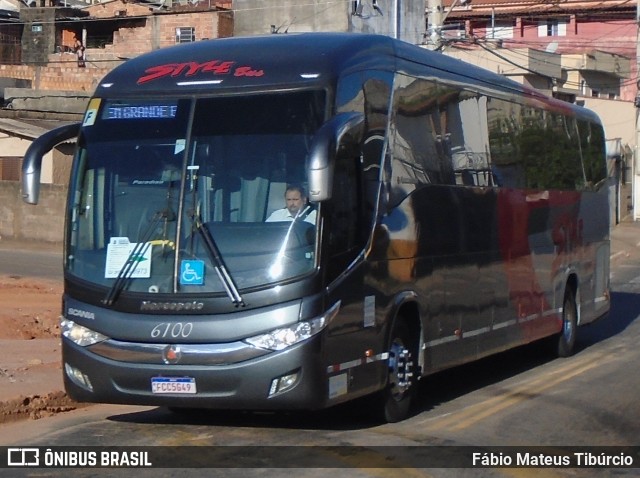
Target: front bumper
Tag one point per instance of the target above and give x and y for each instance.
(245, 385)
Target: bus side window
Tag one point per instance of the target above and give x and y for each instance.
(343, 216)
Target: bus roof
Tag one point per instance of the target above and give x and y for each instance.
(250, 62)
(294, 60)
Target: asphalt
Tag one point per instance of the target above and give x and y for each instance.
(625, 242)
(33, 367)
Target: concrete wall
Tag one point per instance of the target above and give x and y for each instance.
(46, 100)
(408, 23)
(17, 147)
(255, 17)
(43, 222)
(38, 36)
(618, 117)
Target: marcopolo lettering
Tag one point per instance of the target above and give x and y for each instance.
(171, 306)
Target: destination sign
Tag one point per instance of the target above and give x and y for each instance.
(139, 111)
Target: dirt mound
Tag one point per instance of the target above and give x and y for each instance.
(29, 308)
(35, 406)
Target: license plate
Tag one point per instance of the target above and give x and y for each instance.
(173, 385)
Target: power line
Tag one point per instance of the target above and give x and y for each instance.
(524, 56)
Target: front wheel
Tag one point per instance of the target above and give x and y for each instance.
(400, 391)
(567, 338)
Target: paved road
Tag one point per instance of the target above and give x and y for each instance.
(43, 262)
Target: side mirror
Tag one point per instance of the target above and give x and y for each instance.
(32, 161)
(341, 135)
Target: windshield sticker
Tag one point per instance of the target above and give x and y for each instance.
(92, 112)
(180, 145)
(192, 272)
(191, 68)
(118, 251)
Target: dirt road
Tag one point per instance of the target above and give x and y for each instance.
(30, 361)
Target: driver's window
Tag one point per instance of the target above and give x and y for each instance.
(343, 216)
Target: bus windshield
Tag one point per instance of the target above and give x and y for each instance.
(168, 194)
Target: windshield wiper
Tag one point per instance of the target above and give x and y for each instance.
(129, 266)
(218, 263)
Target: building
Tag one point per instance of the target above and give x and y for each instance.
(575, 50)
(597, 39)
(579, 51)
(403, 19)
(43, 44)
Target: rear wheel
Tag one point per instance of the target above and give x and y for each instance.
(400, 391)
(567, 338)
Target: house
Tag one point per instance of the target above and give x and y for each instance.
(597, 39)
(575, 50)
(40, 49)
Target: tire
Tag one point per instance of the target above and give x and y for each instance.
(397, 397)
(567, 338)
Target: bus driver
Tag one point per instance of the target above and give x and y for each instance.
(296, 206)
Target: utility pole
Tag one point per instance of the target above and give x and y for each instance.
(435, 21)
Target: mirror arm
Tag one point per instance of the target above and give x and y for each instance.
(343, 132)
(32, 161)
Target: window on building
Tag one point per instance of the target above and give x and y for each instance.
(185, 34)
(500, 29)
(595, 93)
(552, 27)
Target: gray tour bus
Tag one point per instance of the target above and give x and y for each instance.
(447, 213)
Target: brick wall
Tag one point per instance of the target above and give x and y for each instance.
(10, 168)
(137, 33)
(62, 78)
(59, 71)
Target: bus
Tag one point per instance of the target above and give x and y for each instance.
(456, 214)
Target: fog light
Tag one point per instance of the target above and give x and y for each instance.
(77, 377)
(284, 383)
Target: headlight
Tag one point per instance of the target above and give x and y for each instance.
(80, 335)
(279, 339)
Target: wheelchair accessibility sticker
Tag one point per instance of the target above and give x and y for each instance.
(192, 273)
